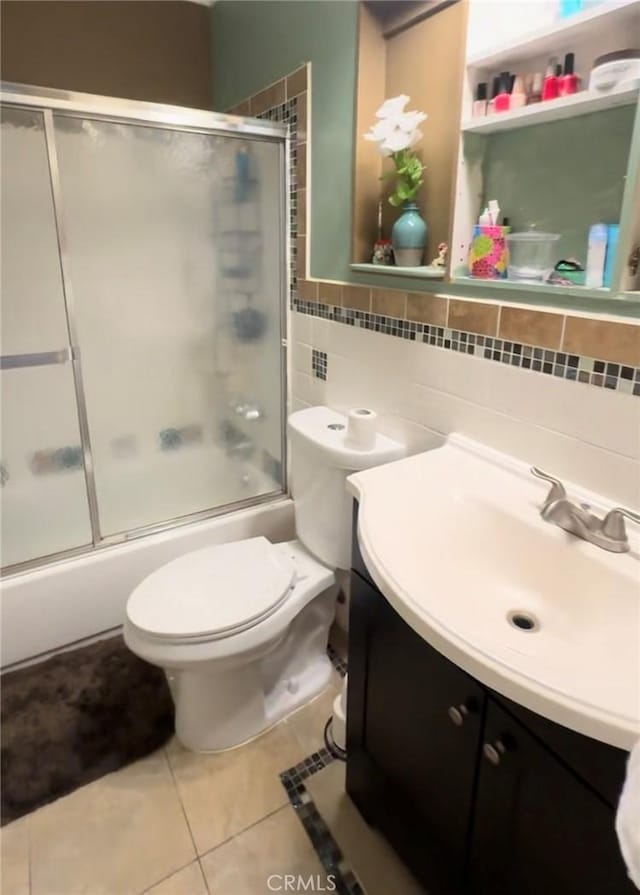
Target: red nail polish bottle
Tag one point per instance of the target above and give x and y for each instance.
(503, 99)
(568, 83)
(550, 86)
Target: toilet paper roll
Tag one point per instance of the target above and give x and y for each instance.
(361, 429)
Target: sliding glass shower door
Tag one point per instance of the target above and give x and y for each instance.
(44, 497)
(147, 231)
(144, 271)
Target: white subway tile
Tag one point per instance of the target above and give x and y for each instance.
(301, 357)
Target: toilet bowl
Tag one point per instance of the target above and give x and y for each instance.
(241, 629)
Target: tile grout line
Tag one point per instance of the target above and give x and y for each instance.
(182, 806)
(241, 832)
(168, 876)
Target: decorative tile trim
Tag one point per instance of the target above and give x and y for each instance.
(287, 113)
(319, 364)
(572, 367)
(326, 847)
(337, 661)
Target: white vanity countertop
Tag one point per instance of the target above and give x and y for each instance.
(454, 540)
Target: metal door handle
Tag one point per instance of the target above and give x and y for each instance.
(34, 359)
(493, 752)
(457, 714)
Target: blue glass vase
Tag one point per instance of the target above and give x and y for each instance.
(409, 237)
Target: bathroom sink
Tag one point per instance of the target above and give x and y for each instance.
(454, 539)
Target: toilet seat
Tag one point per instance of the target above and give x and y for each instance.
(213, 592)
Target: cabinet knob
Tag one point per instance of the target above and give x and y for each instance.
(494, 752)
(457, 714)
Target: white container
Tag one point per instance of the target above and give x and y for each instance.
(596, 256)
(531, 255)
(615, 70)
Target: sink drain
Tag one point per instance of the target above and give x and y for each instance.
(523, 621)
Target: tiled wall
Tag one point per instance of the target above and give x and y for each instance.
(555, 389)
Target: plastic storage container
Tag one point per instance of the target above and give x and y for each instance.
(531, 255)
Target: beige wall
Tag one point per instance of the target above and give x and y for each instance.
(155, 50)
(427, 62)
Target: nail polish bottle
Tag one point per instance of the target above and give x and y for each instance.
(535, 94)
(550, 86)
(480, 105)
(503, 99)
(518, 95)
(568, 83)
(495, 90)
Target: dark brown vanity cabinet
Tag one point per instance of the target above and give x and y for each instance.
(476, 794)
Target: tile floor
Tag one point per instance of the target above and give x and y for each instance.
(175, 823)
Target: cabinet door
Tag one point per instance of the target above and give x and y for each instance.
(538, 828)
(414, 723)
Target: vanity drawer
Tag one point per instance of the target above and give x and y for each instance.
(600, 766)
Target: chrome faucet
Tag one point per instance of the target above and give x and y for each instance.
(608, 532)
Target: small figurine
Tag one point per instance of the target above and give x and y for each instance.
(382, 252)
(441, 260)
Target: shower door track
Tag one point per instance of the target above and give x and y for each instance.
(112, 109)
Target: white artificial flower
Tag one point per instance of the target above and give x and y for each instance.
(380, 130)
(396, 142)
(392, 107)
(395, 130)
(409, 121)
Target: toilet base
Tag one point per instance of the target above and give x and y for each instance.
(217, 709)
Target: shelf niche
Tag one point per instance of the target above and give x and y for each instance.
(401, 45)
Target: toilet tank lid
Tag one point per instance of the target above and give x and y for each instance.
(215, 590)
(326, 430)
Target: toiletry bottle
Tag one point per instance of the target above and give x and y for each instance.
(568, 83)
(480, 105)
(503, 99)
(518, 95)
(495, 90)
(535, 94)
(596, 255)
(569, 8)
(613, 232)
(550, 86)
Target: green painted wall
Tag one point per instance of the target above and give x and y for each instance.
(562, 177)
(254, 44)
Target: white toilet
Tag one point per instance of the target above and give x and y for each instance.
(241, 629)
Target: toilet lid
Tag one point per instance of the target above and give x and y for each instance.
(216, 590)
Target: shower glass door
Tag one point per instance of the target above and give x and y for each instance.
(44, 495)
(174, 241)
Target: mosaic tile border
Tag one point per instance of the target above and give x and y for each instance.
(553, 362)
(337, 661)
(300, 800)
(326, 847)
(319, 364)
(287, 113)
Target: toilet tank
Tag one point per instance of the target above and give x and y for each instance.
(320, 461)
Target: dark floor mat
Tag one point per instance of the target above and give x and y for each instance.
(74, 717)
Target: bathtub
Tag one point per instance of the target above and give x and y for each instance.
(75, 599)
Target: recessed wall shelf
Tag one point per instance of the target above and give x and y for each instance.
(426, 271)
(563, 33)
(554, 110)
(577, 298)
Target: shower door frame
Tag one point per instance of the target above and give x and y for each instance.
(166, 117)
